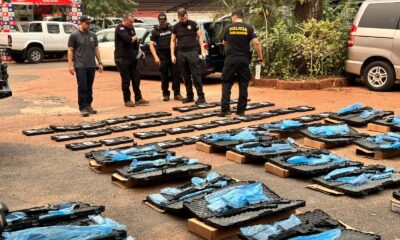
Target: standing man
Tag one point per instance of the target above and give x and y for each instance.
(160, 47)
(189, 38)
(82, 50)
(237, 38)
(126, 51)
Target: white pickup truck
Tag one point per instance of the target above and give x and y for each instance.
(42, 39)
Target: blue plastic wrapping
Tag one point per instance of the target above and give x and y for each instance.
(138, 150)
(170, 191)
(222, 183)
(395, 145)
(350, 108)
(158, 199)
(150, 166)
(198, 181)
(15, 216)
(263, 232)
(327, 235)
(336, 172)
(117, 157)
(212, 176)
(273, 148)
(131, 150)
(396, 120)
(359, 180)
(368, 113)
(192, 162)
(327, 131)
(312, 161)
(245, 135)
(381, 176)
(236, 197)
(285, 124)
(103, 227)
(64, 209)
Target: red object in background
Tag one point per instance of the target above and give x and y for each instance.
(41, 10)
(42, 2)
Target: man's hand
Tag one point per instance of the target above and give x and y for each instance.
(173, 59)
(157, 60)
(71, 70)
(203, 55)
(134, 39)
(101, 68)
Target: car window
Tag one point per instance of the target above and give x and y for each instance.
(35, 27)
(117, 21)
(108, 23)
(381, 15)
(100, 22)
(140, 32)
(69, 28)
(53, 28)
(214, 31)
(109, 37)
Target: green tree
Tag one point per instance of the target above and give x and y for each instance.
(103, 8)
(308, 9)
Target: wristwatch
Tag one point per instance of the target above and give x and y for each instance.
(100, 63)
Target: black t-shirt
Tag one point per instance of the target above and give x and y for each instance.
(187, 36)
(84, 45)
(162, 38)
(238, 37)
(124, 48)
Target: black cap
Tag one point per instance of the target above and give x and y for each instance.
(162, 18)
(85, 19)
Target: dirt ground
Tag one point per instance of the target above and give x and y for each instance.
(36, 170)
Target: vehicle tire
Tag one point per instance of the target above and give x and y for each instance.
(35, 55)
(379, 76)
(17, 57)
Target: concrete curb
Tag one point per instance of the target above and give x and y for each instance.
(301, 84)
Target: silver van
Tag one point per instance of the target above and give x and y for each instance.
(374, 44)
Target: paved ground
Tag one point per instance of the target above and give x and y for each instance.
(36, 170)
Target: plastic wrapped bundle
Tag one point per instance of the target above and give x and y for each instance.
(102, 228)
(197, 187)
(328, 131)
(351, 108)
(246, 135)
(283, 125)
(317, 160)
(236, 197)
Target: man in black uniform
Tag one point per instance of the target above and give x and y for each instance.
(188, 34)
(160, 38)
(126, 51)
(237, 38)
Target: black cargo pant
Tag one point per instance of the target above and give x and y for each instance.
(190, 69)
(129, 72)
(235, 67)
(169, 72)
(85, 78)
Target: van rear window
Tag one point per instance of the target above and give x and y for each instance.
(381, 15)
